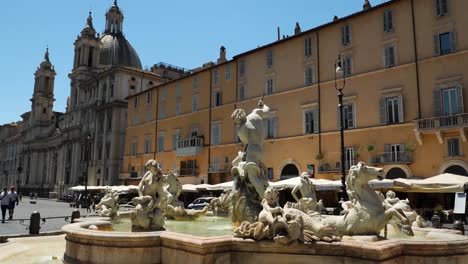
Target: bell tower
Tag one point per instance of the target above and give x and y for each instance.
(114, 20)
(43, 96)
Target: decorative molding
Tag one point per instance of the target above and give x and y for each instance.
(287, 162)
(403, 167)
(392, 90)
(309, 105)
(450, 163)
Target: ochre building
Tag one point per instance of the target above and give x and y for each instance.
(404, 107)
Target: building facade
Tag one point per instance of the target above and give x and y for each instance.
(404, 100)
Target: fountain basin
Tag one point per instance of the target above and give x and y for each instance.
(94, 246)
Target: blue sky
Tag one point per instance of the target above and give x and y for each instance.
(185, 33)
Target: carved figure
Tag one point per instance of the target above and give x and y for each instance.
(365, 214)
(222, 203)
(271, 209)
(174, 188)
(108, 206)
(391, 201)
(307, 191)
(152, 200)
(250, 181)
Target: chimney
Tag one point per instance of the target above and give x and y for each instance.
(366, 5)
(335, 18)
(222, 55)
(297, 29)
(278, 30)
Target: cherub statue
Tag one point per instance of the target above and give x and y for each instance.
(108, 206)
(271, 209)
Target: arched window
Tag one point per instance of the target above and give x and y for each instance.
(289, 171)
(455, 169)
(395, 173)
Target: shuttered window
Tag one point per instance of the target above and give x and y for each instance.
(161, 143)
(308, 76)
(311, 121)
(448, 101)
(346, 35)
(453, 147)
(388, 21)
(216, 134)
(307, 47)
(348, 116)
(389, 56)
(391, 110)
(270, 127)
(441, 7)
(445, 43)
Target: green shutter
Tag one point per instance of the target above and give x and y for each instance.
(401, 115)
(453, 41)
(385, 21)
(436, 45)
(437, 103)
(460, 108)
(383, 111)
(316, 121)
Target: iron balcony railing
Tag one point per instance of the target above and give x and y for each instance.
(190, 142)
(391, 158)
(332, 167)
(219, 168)
(435, 123)
(188, 172)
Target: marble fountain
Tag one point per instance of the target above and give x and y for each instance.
(371, 228)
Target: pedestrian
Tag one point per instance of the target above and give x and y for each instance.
(13, 200)
(5, 203)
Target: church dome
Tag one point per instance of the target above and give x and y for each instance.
(116, 50)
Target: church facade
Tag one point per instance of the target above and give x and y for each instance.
(49, 151)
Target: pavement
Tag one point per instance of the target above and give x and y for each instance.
(47, 208)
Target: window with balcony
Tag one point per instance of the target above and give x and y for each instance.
(453, 147)
(161, 143)
(217, 98)
(147, 146)
(216, 134)
(216, 76)
(195, 103)
(448, 101)
(270, 87)
(391, 110)
(441, 7)
(350, 155)
(308, 47)
(188, 167)
(308, 74)
(311, 121)
(270, 127)
(346, 34)
(393, 153)
(348, 116)
(227, 73)
(388, 21)
(175, 138)
(269, 58)
(389, 56)
(445, 43)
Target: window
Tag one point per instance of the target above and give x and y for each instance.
(215, 166)
(350, 154)
(108, 147)
(135, 122)
(269, 58)
(391, 110)
(441, 7)
(347, 64)
(271, 127)
(178, 108)
(109, 121)
(149, 115)
(161, 143)
(448, 101)
(195, 103)
(307, 47)
(216, 134)
(163, 94)
(133, 149)
(453, 147)
(389, 56)
(269, 86)
(227, 74)
(311, 121)
(217, 98)
(175, 138)
(195, 82)
(148, 97)
(178, 89)
(348, 116)
(308, 76)
(162, 111)
(241, 67)
(394, 152)
(241, 94)
(216, 76)
(44, 110)
(444, 43)
(346, 35)
(135, 102)
(147, 145)
(388, 21)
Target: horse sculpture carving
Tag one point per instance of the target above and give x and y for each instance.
(366, 214)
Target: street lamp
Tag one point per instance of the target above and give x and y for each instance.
(88, 139)
(339, 69)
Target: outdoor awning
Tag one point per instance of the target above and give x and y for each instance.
(443, 183)
(320, 184)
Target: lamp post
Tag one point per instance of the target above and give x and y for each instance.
(88, 139)
(339, 69)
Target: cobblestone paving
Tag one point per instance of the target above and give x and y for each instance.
(47, 208)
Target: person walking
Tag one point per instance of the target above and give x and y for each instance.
(5, 203)
(13, 200)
